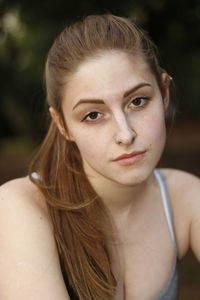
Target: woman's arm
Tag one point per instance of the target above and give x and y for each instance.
(195, 218)
(184, 190)
(29, 263)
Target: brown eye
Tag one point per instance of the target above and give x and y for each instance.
(91, 117)
(139, 102)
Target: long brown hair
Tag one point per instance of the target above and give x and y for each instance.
(77, 213)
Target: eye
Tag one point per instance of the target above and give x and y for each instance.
(92, 117)
(139, 102)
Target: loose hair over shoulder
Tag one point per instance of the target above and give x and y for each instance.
(80, 221)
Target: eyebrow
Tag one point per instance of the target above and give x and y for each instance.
(100, 101)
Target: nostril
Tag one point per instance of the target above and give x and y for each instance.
(116, 140)
(125, 137)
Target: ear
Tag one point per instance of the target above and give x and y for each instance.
(59, 122)
(165, 82)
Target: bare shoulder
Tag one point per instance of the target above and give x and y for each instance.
(21, 201)
(184, 188)
(29, 261)
(181, 177)
(184, 191)
(22, 190)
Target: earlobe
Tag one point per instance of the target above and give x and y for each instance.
(59, 122)
(165, 80)
(57, 119)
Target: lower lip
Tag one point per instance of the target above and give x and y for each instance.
(130, 160)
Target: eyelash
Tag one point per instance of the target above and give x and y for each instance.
(141, 98)
(88, 115)
(145, 99)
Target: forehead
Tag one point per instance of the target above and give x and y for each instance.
(107, 75)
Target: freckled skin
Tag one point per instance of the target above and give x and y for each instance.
(108, 77)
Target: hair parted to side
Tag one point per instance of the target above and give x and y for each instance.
(77, 213)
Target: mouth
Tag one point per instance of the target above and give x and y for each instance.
(130, 158)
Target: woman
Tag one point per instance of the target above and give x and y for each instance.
(96, 219)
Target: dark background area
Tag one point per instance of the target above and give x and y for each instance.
(27, 30)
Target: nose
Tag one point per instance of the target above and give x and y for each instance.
(124, 133)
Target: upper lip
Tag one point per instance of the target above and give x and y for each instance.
(128, 155)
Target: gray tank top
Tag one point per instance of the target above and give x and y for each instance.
(170, 292)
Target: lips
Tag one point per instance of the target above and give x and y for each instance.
(130, 158)
(124, 156)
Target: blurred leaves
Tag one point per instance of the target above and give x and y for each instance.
(27, 29)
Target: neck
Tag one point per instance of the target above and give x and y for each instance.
(122, 200)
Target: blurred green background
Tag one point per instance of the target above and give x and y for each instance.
(27, 30)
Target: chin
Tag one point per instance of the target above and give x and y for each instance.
(138, 176)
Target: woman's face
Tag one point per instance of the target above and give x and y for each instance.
(112, 107)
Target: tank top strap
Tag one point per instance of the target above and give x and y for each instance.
(167, 205)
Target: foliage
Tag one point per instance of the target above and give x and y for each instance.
(27, 29)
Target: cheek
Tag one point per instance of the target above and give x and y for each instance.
(154, 128)
(89, 144)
